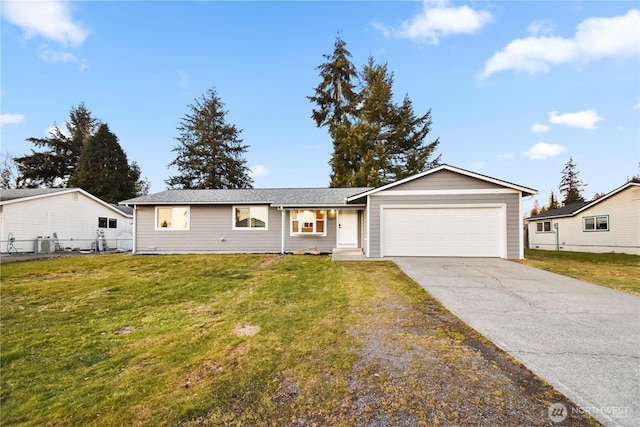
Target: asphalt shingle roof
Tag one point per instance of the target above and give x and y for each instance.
(21, 193)
(567, 210)
(273, 196)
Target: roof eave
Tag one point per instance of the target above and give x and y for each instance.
(525, 191)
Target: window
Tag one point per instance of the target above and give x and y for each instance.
(543, 227)
(308, 222)
(595, 223)
(172, 218)
(102, 222)
(113, 223)
(250, 217)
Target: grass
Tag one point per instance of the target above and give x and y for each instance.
(613, 270)
(116, 340)
(63, 363)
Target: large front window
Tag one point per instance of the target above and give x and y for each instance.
(172, 218)
(250, 217)
(308, 222)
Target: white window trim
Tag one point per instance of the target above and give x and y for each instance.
(595, 218)
(233, 218)
(543, 230)
(315, 223)
(188, 208)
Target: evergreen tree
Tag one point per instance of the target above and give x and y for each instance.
(210, 151)
(553, 202)
(103, 169)
(570, 185)
(54, 165)
(375, 141)
(142, 185)
(336, 95)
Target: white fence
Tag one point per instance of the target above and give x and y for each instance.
(50, 245)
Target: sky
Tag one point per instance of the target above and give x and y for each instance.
(515, 88)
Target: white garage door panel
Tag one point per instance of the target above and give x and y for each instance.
(463, 232)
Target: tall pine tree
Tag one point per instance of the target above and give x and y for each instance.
(56, 162)
(336, 96)
(570, 184)
(553, 202)
(375, 141)
(210, 152)
(103, 169)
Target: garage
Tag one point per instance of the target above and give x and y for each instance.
(447, 231)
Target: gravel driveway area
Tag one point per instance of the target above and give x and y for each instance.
(581, 338)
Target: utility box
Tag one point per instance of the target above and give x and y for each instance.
(44, 245)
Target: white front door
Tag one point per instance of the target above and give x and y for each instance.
(347, 229)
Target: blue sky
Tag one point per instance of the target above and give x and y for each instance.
(514, 88)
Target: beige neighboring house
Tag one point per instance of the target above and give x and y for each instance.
(608, 224)
(34, 217)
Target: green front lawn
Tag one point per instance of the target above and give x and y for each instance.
(118, 340)
(617, 271)
(211, 340)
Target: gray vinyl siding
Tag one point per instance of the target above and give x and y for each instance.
(209, 225)
(445, 180)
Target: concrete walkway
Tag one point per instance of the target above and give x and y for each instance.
(581, 338)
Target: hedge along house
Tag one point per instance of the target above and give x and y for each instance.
(445, 211)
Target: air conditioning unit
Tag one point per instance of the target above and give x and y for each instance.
(44, 245)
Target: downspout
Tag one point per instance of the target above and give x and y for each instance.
(557, 227)
(135, 237)
(284, 221)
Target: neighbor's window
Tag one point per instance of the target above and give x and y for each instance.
(250, 217)
(102, 222)
(308, 222)
(172, 218)
(543, 227)
(595, 223)
(113, 223)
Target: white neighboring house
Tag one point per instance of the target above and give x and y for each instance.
(35, 216)
(608, 224)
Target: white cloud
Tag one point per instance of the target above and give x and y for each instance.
(637, 106)
(542, 150)
(54, 56)
(595, 38)
(540, 27)
(584, 119)
(258, 170)
(49, 19)
(8, 119)
(477, 165)
(540, 128)
(507, 155)
(438, 19)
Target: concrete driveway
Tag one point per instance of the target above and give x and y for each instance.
(581, 338)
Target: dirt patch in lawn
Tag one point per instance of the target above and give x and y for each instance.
(419, 365)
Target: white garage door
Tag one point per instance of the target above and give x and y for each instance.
(443, 231)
